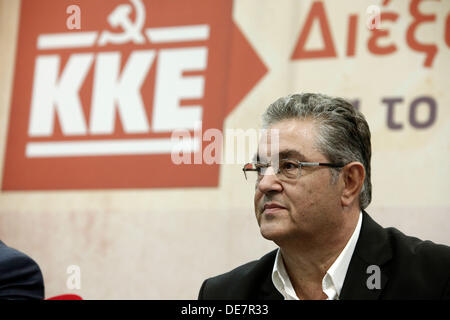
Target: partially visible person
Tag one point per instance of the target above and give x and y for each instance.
(20, 276)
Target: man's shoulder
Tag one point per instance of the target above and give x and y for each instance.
(391, 241)
(414, 248)
(20, 275)
(424, 255)
(240, 282)
(408, 267)
(415, 268)
(420, 268)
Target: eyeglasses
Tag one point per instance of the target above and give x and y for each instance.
(288, 169)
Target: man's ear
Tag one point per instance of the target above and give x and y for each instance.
(353, 175)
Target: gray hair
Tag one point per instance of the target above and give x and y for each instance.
(343, 132)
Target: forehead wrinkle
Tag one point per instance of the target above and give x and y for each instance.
(291, 153)
(284, 154)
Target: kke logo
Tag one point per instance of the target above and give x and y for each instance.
(95, 108)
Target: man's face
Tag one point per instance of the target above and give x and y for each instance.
(305, 207)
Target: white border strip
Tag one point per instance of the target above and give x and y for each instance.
(66, 40)
(178, 34)
(110, 147)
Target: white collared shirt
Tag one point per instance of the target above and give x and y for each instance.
(333, 280)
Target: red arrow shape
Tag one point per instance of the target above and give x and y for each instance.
(246, 69)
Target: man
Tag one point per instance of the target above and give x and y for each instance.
(20, 276)
(310, 198)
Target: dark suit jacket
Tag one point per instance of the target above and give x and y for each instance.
(410, 269)
(20, 276)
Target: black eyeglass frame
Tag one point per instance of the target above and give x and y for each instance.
(300, 164)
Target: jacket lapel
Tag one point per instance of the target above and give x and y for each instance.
(372, 249)
(267, 290)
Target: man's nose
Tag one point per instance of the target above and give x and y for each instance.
(269, 182)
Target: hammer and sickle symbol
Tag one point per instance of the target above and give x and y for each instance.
(120, 18)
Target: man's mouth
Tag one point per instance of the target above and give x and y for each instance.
(272, 208)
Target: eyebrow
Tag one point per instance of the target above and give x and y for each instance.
(291, 153)
(288, 153)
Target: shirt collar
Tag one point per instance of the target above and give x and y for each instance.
(333, 280)
(281, 279)
(338, 269)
